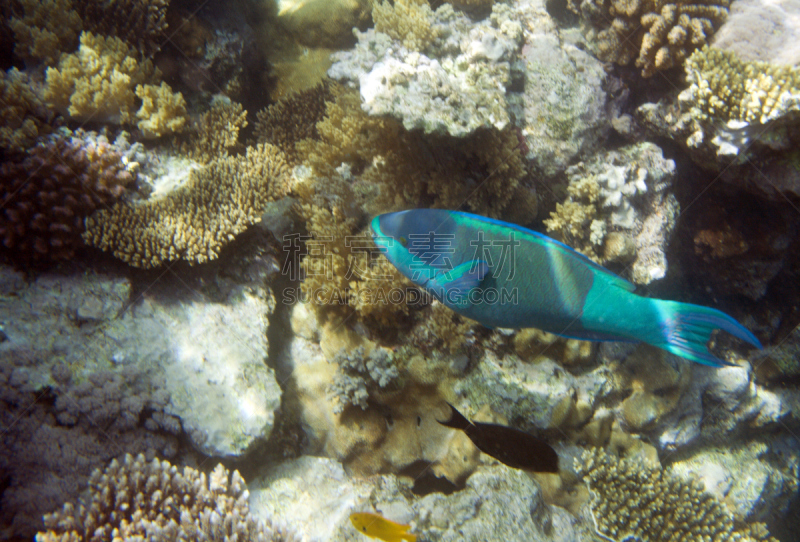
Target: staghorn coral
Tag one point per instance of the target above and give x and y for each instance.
(408, 21)
(659, 34)
(193, 222)
(21, 111)
(636, 499)
(217, 130)
(41, 37)
(101, 82)
(727, 89)
(140, 23)
(153, 500)
(47, 194)
(295, 118)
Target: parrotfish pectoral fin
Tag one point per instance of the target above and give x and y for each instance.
(687, 329)
(455, 284)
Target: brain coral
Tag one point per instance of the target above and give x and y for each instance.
(47, 194)
(637, 501)
(141, 500)
(659, 34)
(193, 222)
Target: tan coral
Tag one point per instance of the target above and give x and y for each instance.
(163, 112)
(39, 36)
(658, 34)
(633, 498)
(408, 21)
(217, 131)
(21, 111)
(195, 221)
(138, 499)
(140, 23)
(295, 118)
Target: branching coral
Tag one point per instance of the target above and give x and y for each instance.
(634, 499)
(21, 111)
(217, 130)
(41, 36)
(295, 118)
(140, 23)
(725, 88)
(659, 34)
(47, 195)
(357, 373)
(137, 499)
(408, 21)
(193, 222)
(102, 81)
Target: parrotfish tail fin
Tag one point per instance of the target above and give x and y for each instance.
(456, 420)
(686, 329)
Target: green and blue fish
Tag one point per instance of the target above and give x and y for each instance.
(503, 275)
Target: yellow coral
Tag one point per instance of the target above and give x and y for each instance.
(40, 35)
(725, 88)
(98, 81)
(163, 112)
(408, 21)
(195, 221)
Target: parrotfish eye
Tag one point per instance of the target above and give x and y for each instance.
(403, 241)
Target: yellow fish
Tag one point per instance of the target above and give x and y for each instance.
(376, 526)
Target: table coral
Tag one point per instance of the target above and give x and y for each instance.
(153, 500)
(635, 499)
(196, 220)
(47, 194)
(659, 34)
(39, 36)
(102, 82)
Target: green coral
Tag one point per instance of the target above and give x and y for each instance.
(635, 500)
(726, 88)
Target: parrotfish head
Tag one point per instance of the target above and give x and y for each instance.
(415, 240)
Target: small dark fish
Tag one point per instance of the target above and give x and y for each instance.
(515, 448)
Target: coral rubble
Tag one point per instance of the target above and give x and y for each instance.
(137, 498)
(47, 195)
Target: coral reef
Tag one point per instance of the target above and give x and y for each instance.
(634, 499)
(659, 34)
(21, 111)
(620, 208)
(102, 81)
(138, 498)
(755, 31)
(140, 23)
(47, 194)
(322, 23)
(41, 37)
(407, 21)
(193, 222)
(459, 88)
(294, 118)
(217, 130)
(357, 371)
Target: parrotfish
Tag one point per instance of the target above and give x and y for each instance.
(503, 275)
(377, 526)
(515, 448)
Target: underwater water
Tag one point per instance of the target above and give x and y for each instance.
(341, 270)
